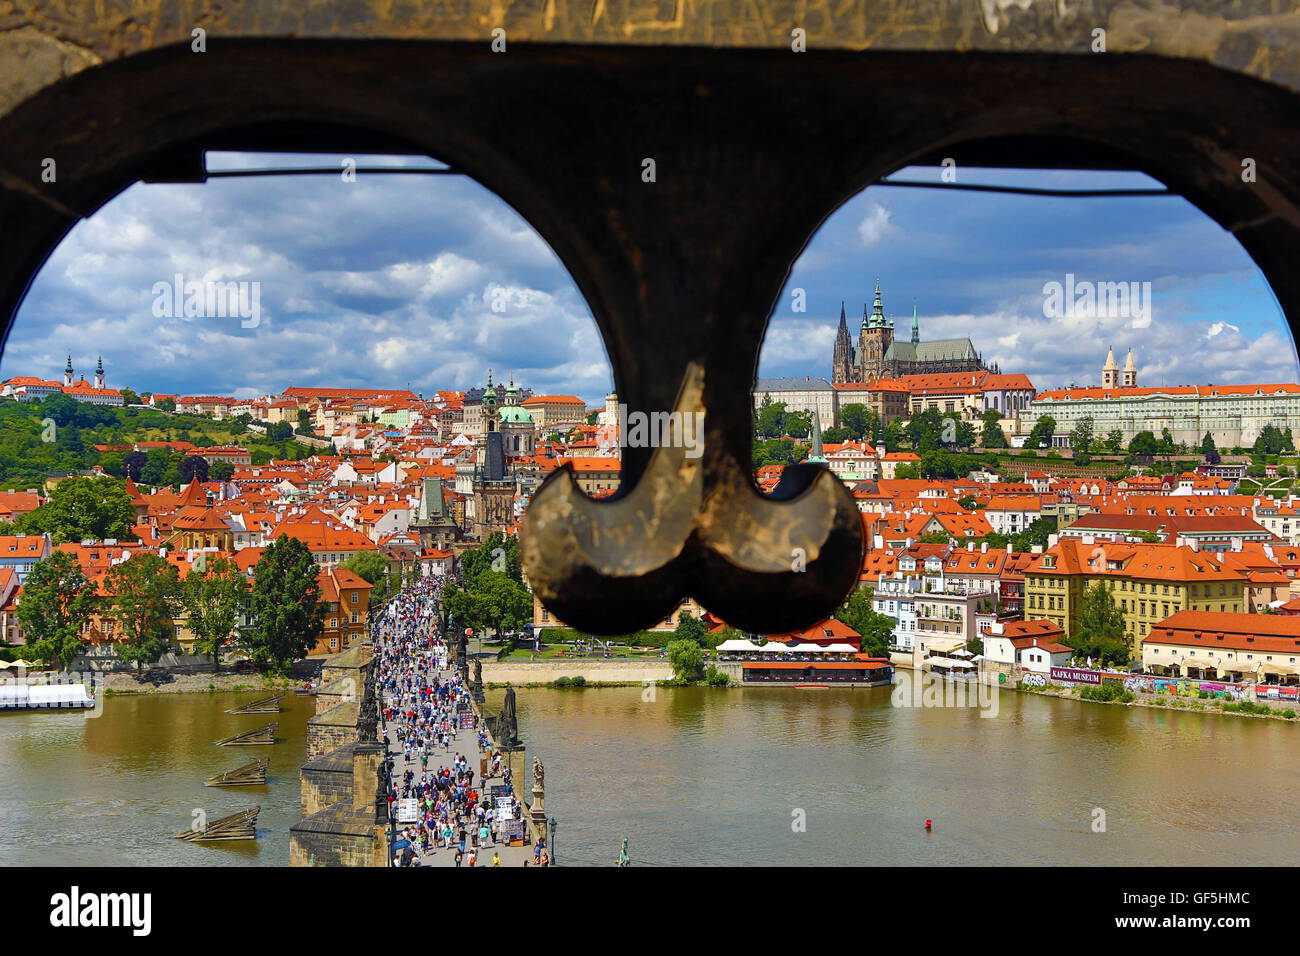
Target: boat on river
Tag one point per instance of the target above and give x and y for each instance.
(20, 697)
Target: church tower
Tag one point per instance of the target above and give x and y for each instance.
(67, 372)
(99, 373)
(842, 369)
(874, 340)
(1110, 371)
(1130, 371)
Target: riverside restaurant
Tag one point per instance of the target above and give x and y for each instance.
(806, 664)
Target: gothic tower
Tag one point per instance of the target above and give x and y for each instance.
(1130, 371)
(1110, 371)
(842, 369)
(874, 340)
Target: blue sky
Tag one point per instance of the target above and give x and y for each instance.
(389, 281)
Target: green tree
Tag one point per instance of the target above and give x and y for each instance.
(144, 593)
(1114, 441)
(859, 420)
(835, 436)
(798, 424)
(373, 567)
(1040, 436)
(165, 404)
(967, 502)
(1035, 535)
(157, 461)
(212, 598)
(129, 397)
(687, 660)
(58, 599)
(81, 508)
(114, 463)
(770, 422)
(1081, 435)
(1207, 444)
(1144, 445)
(503, 603)
(287, 611)
(280, 431)
(690, 628)
(61, 408)
(1100, 632)
(992, 436)
(221, 471)
(877, 630)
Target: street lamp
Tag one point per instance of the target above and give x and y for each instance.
(551, 841)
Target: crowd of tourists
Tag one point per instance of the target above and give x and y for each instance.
(425, 704)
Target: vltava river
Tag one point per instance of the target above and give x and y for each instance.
(714, 776)
(708, 776)
(114, 790)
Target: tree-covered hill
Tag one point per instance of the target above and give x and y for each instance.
(58, 435)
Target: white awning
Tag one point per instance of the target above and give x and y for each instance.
(737, 644)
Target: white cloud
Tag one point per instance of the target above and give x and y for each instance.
(875, 224)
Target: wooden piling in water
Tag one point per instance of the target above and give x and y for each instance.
(264, 705)
(249, 775)
(261, 737)
(237, 826)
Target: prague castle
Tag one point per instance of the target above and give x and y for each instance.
(879, 355)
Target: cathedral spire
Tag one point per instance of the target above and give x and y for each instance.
(843, 322)
(916, 326)
(878, 309)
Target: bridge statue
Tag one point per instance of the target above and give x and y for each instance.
(507, 728)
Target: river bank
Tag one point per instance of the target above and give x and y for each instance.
(1276, 710)
(125, 683)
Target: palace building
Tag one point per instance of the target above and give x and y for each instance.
(879, 355)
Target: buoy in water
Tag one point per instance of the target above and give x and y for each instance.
(928, 825)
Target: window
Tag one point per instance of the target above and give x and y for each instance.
(354, 597)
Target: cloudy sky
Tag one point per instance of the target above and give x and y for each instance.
(390, 281)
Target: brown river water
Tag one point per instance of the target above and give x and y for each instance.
(776, 776)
